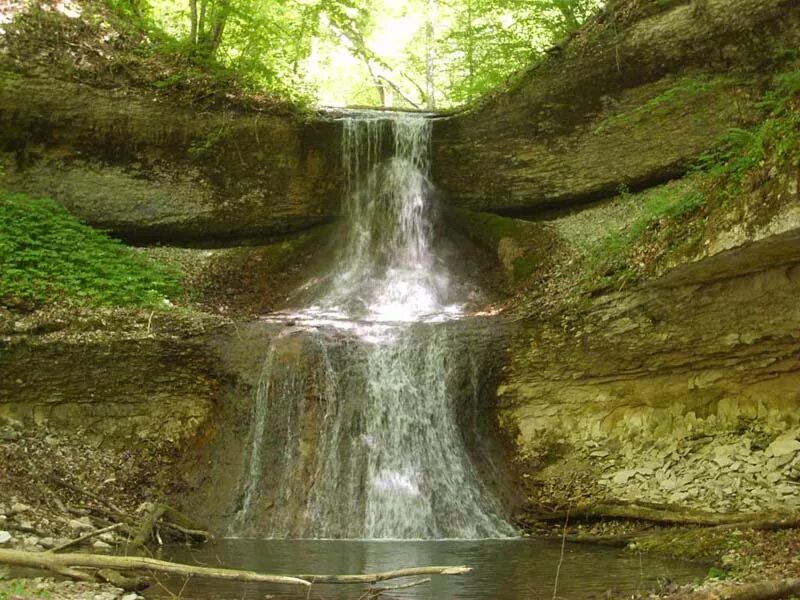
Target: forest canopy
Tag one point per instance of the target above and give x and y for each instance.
(429, 54)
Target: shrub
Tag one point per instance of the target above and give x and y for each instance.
(46, 254)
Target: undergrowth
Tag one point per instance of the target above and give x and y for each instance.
(671, 218)
(19, 589)
(47, 255)
(609, 260)
(740, 151)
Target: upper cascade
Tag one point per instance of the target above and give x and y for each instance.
(387, 271)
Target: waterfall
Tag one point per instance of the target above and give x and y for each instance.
(355, 427)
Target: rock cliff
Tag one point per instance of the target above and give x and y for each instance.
(631, 100)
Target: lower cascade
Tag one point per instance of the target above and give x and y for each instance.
(358, 427)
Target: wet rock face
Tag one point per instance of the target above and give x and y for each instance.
(284, 366)
(150, 171)
(631, 100)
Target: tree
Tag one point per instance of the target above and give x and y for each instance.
(461, 50)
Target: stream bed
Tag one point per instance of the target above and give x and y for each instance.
(512, 569)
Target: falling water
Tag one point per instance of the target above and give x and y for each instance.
(355, 426)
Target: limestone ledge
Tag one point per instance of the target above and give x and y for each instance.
(149, 170)
(686, 393)
(629, 101)
(117, 380)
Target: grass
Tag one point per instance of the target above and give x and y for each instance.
(47, 255)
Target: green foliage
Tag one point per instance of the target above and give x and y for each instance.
(461, 50)
(718, 574)
(523, 268)
(740, 151)
(660, 225)
(678, 95)
(490, 40)
(48, 255)
(608, 261)
(19, 588)
(264, 43)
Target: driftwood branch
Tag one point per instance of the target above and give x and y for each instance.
(85, 537)
(374, 592)
(66, 564)
(386, 575)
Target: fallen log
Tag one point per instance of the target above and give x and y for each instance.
(672, 516)
(762, 590)
(63, 563)
(68, 564)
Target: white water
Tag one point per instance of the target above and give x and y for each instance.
(358, 402)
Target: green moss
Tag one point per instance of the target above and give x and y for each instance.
(47, 255)
(9, 77)
(684, 91)
(493, 228)
(701, 544)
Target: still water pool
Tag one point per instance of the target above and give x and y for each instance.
(515, 569)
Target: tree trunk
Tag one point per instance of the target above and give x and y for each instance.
(430, 84)
(193, 26)
(200, 34)
(470, 54)
(218, 29)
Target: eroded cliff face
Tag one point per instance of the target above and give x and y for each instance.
(656, 348)
(116, 376)
(674, 395)
(150, 169)
(631, 101)
(675, 387)
(678, 387)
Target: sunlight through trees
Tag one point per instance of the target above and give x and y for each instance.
(421, 54)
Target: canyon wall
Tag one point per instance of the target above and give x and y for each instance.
(631, 100)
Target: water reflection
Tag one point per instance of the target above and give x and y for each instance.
(521, 569)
